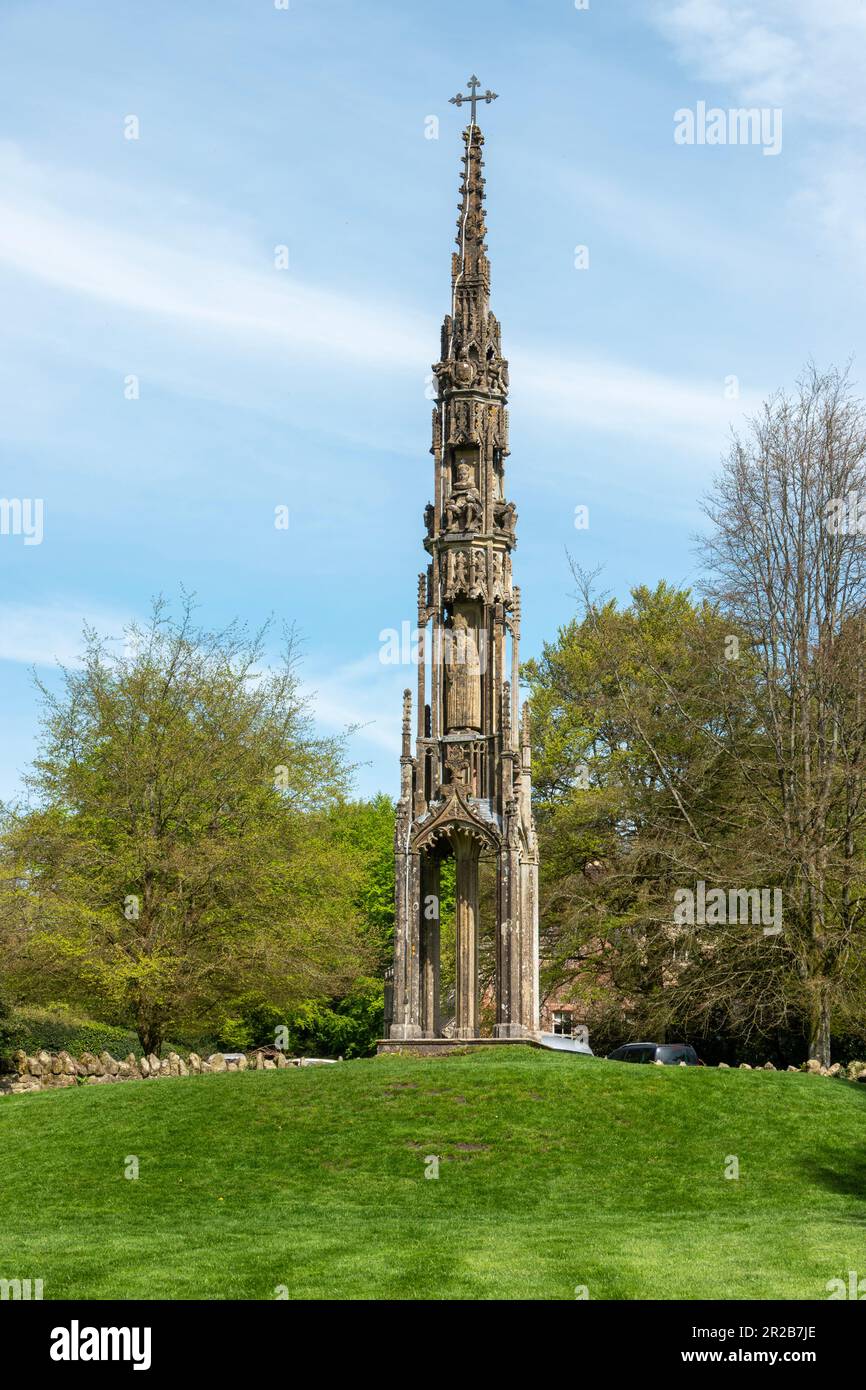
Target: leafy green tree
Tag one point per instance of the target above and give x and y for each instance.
(179, 845)
(366, 828)
(635, 797)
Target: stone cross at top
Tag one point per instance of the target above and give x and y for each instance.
(473, 96)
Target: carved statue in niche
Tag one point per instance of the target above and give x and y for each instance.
(464, 509)
(462, 677)
(499, 591)
(455, 574)
(478, 587)
(429, 512)
(457, 762)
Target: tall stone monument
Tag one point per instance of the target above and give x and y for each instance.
(465, 791)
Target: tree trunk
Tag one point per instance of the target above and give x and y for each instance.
(149, 1033)
(819, 1027)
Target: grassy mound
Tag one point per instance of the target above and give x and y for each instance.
(554, 1172)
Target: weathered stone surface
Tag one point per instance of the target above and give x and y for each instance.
(724, 1066)
(46, 1071)
(813, 1066)
(745, 1066)
(468, 785)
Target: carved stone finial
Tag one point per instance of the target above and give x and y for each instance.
(525, 728)
(407, 723)
(506, 712)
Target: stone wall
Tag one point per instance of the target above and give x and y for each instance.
(854, 1071)
(47, 1071)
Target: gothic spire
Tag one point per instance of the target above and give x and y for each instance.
(470, 263)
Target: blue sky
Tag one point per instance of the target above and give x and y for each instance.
(306, 387)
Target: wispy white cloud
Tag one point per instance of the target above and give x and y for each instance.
(360, 698)
(115, 265)
(804, 56)
(363, 696)
(45, 634)
(594, 394)
(247, 311)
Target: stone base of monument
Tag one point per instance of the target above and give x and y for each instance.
(440, 1047)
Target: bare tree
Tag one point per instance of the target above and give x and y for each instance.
(786, 560)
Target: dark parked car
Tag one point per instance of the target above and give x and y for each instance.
(671, 1054)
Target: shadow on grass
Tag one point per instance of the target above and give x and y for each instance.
(845, 1177)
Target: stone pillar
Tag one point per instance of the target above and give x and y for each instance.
(530, 1003)
(466, 851)
(510, 1018)
(407, 946)
(430, 922)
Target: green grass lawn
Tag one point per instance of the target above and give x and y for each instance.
(554, 1171)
